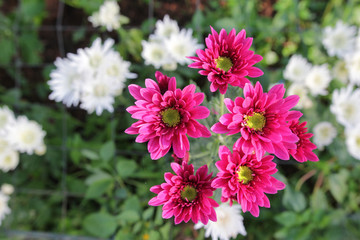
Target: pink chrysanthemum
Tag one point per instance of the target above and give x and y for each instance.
(227, 60)
(304, 146)
(261, 118)
(185, 195)
(165, 120)
(245, 179)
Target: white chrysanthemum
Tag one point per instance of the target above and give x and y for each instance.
(108, 16)
(182, 45)
(65, 82)
(9, 160)
(340, 40)
(340, 71)
(353, 141)
(353, 66)
(25, 135)
(297, 69)
(324, 134)
(318, 79)
(166, 27)
(302, 92)
(4, 207)
(345, 106)
(6, 117)
(98, 95)
(7, 189)
(228, 225)
(154, 53)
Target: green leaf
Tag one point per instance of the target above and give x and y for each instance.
(107, 151)
(287, 219)
(89, 154)
(100, 224)
(154, 235)
(338, 184)
(98, 188)
(294, 200)
(132, 203)
(129, 216)
(7, 49)
(148, 213)
(318, 200)
(126, 168)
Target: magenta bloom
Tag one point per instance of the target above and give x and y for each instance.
(245, 179)
(227, 60)
(185, 195)
(304, 146)
(166, 116)
(261, 118)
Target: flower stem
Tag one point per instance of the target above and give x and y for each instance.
(222, 96)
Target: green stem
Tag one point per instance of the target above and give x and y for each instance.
(222, 96)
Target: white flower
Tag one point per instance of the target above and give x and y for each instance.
(108, 16)
(318, 79)
(65, 82)
(25, 135)
(228, 225)
(302, 92)
(166, 28)
(324, 133)
(7, 189)
(4, 207)
(345, 106)
(340, 40)
(353, 141)
(6, 117)
(353, 65)
(154, 53)
(182, 45)
(9, 160)
(340, 71)
(297, 69)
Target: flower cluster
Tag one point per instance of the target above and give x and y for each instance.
(169, 45)
(18, 135)
(167, 115)
(5, 192)
(92, 78)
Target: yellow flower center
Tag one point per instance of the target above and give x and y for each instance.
(224, 63)
(255, 122)
(188, 193)
(244, 174)
(171, 117)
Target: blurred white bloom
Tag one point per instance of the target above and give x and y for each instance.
(353, 141)
(9, 160)
(108, 16)
(166, 28)
(340, 71)
(302, 92)
(65, 82)
(340, 40)
(4, 207)
(41, 150)
(228, 225)
(182, 45)
(6, 117)
(353, 65)
(345, 106)
(154, 53)
(271, 57)
(318, 79)
(7, 189)
(297, 69)
(25, 135)
(324, 133)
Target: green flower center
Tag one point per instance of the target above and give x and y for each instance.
(244, 174)
(171, 117)
(188, 193)
(224, 63)
(256, 121)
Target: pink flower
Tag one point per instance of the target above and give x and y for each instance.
(245, 179)
(181, 160)
(261, 118)
(304, 146)
(185, 195)
(227, 60)
(165, 120)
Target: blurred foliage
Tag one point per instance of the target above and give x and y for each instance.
(104, 178)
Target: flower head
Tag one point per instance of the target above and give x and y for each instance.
(318, 79)
(353, 141)
(166, 27)
(9, 160)
(302, 92)
(244, 179)
(185, 195)
(297, 69)
(304, 146)
(227, 60)
(6, 117)
(166, 116)
(154, 53)
(261, 119)
(352, 64)
(4, 207)
(324, 134)
(229, 223)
